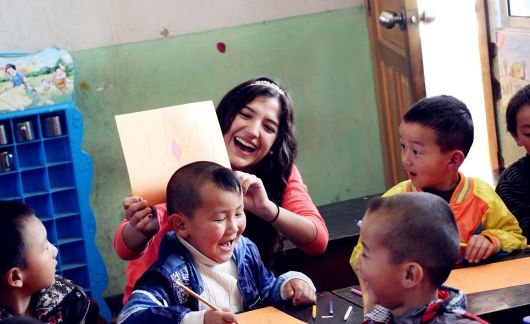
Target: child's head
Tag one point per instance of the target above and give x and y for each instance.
(27, 258)
(257, 122)
(518, 117)
(435, 135)
(205, 202)
(410, 242)
(10, 69)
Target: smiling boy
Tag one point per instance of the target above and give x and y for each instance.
(404, 273)
(207, 253)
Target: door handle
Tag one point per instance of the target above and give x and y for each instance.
(389, 19)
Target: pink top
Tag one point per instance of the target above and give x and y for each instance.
(295, 199)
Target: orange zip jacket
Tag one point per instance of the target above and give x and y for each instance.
(478, 210)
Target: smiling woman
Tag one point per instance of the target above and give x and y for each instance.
(257, 122)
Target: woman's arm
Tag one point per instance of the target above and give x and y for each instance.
(298, 218)
(138, 227)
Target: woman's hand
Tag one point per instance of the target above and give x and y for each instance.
(140, 216)
(255, 197)
(300, 292)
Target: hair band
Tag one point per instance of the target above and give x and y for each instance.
(268, 84)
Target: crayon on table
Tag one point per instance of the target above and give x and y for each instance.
(314, 312)
(331, 307)
(348, 313)
(357, 292)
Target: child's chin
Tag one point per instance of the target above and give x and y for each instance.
(223, 258)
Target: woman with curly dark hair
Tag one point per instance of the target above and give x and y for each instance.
(257, 123)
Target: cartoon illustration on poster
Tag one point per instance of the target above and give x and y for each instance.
(33, 80)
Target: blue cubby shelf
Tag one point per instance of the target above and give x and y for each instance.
(53, 176)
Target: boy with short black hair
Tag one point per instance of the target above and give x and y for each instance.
(402, 268)
(436, 135)
(29, 285)
(207, 253)
(514, 183)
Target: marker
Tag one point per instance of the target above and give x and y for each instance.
(314, 311)
(331, 307)
(463, 244)
(357, 292)
(348, 313)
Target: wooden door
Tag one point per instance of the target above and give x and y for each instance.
(398, 73)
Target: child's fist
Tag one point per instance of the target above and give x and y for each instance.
(300, 292)
(219, 317)
(479, 248)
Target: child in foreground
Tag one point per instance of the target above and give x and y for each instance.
(403, 269)
(29, 285)
(436, 135)
(207, 253)
(514, 183)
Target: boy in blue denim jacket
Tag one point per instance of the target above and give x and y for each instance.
(207, 253)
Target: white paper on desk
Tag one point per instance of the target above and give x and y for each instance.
(157, 142)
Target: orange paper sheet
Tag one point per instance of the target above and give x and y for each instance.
(266, 315)
(491, 276)
(157, 142)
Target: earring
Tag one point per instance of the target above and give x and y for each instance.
(271, 152)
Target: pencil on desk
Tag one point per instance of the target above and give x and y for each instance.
(463, 244)
(191, 292)
(199, 298)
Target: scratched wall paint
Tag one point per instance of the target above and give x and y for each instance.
(323, 59)
(31, 25)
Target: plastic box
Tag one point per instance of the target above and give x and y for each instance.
(50, 173)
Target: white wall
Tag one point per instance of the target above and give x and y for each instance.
(451, 62)
(30, 25)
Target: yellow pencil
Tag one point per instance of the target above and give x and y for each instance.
(314, 313)
(463, 244)
(194, 294)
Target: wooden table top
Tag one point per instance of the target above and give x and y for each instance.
(492, 301)
(493, 305)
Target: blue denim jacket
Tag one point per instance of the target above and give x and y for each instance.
(156, 297)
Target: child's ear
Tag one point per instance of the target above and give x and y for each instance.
(456, 158)
(412, 275)
(180, 224)
(14, 278)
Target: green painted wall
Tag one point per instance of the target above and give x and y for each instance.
(322, 59)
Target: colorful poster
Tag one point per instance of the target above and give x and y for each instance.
(157, 142)
(33, 80)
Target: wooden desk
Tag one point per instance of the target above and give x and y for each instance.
(340, 306)
(346, 293)
(331, 270)
(507, 305)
